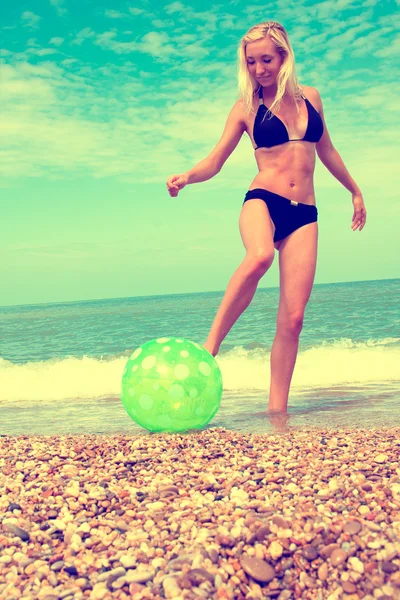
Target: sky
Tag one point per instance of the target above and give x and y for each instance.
(102, 101)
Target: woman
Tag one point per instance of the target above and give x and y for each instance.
(279, 209)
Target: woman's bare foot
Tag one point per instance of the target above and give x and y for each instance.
(278, 419)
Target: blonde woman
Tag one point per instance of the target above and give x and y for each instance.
(285, 124)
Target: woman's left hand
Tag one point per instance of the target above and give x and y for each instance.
(360, 213)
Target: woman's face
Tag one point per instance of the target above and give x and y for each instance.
(263, 61)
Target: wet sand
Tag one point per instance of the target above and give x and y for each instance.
(210, 514)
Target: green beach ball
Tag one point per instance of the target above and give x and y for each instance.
(171, 384)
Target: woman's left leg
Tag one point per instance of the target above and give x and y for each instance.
(297, 265)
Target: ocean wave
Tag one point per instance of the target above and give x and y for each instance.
(340, 362)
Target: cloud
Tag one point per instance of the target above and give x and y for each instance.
(137, 11)
(156, 44)
(392, 50)
(59, 6)
(175, 7)
(82, 35)
(57, 41)
(30, 20)
(153, 43)
(114, 14)
(130, 118)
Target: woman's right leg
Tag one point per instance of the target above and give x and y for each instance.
(257, 232)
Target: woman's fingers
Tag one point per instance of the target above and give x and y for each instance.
(172, 188)
(359, 219)
(175, 183)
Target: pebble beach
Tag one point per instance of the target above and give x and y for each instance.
(210, 514)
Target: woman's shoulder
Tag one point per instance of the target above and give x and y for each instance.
(308, 89)
(240, 109)
(310, 92)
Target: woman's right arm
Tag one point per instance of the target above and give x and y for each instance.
(210, 166)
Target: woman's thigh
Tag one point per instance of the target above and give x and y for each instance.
(297, 266)
(256, 227)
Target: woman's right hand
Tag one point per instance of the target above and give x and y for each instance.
(175, 183)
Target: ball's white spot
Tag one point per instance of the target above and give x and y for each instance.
(193, 393)
(162, 340)
(134, 368)
(166, 348)
(156, 386)
(148, 362)
(178, 341)
(146, 402)
(181, 371)
(131, 392)
(163, 370)
(184, 353)
(136, 353)
(176, 391)
(196, 345)
(204, 369)
(198, 411)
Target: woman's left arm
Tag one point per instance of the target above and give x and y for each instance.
(330, 157)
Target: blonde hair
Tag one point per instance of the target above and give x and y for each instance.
(287, 78)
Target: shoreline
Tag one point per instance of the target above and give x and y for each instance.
(214, 514)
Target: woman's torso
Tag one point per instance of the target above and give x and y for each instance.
(286, 169)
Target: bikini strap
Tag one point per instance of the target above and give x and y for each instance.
(260, 95)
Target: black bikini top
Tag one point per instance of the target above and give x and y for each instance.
(272, 131)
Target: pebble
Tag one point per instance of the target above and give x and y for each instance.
(323, 572)
(215, 514)
(352, 527)
(338, 557)
(171, 588)
(139, 576)
(276, 550)
(18, 531)
(127, 561)
(257, 568)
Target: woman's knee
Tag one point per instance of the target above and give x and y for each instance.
(291, 323)
(259, 262)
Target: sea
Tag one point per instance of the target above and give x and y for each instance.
(61, 364)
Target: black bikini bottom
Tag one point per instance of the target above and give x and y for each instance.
(286, 214)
